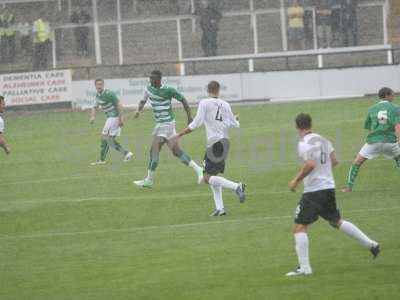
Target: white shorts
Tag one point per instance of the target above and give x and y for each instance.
(111, 128)
(371, 151)
(165, 130)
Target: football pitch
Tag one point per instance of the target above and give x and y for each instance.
(69, 230)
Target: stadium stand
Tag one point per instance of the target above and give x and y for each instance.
(148, 32)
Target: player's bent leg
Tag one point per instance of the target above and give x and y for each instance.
(353, 172)
(354, 232)
(302, 250)
(112, 141)
(397, 160)
(239, 188)
(185, 159)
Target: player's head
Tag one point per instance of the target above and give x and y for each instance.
(2, 104)
(213, 89)
(386, 93)
(155, 78)
(99, 84)
(303, 122)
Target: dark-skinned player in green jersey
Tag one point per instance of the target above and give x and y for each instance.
(383, 123)
(160, 97)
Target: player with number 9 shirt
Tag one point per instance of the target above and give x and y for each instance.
(383, 123)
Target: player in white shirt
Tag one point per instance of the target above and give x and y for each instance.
(217, 116)
(3, 143)
(319, 158)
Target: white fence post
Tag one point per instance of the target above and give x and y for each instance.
(119, 31)
(283, 26)
(53, 49)
(96, 32)
(180, 49)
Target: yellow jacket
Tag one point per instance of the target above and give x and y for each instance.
(41, 30)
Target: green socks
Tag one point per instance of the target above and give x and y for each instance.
(185, 158)
(352, 175)
(397, 160)
(153, 163)
(104, 150)
(117, 146)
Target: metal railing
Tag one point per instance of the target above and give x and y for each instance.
(252, 13)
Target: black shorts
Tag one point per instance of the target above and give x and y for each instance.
(214, 159)
(317, 204)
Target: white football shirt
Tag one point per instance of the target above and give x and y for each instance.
(1, 125)
(217, 117)
(317, 148)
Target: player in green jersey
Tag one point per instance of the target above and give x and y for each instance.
(383, 123)
(3, 143)
(160, 97)
(109, 103)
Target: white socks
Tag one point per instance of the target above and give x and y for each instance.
(353, 231)
(150, 175)
(195, 166)
(216, 184)
(222, 182)
(301, 240)
(217, 192)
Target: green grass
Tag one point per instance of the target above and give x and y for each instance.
(72, 231)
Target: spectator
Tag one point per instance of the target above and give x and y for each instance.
(348, 22)
(25, 37)
(209, 19)
(41, 41)
(8, 21)
(324, 23)
(3, 40)
(335, 23)
(296, 26)
(182, 6)
(81, 17)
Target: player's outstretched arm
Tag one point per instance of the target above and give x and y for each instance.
(307, 168)
(334, 160)
(185, 131)
(119, 109)
(397, 128)
(92, 115)
(187, 110)
(3, 144)
(140, 108)
(234, 119)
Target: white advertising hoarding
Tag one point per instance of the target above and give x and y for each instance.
(36, 87)
(131, 91)
(56, 86)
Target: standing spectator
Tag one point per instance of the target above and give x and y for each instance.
(41, 41)
(296, 26)
(183, 7)
(8, 20)
(324, 23)
(335, 23)
(209, 19)
(81, 17)
(348, 22)
(25, 37)
(3, 40)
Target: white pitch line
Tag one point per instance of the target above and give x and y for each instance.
(268, 168)
(168, 196)
(170, 226)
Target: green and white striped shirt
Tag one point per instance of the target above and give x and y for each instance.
(161, 102)
(108, 102)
